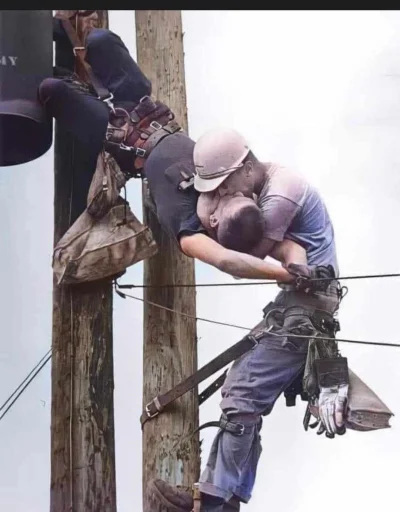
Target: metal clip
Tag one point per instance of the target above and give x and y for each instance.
(82, 48)
(109, 103)
(155, 125)
(126, 148)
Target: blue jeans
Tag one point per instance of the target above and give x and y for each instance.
(80, 112)
(254, 383)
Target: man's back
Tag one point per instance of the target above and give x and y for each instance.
(176, 209)
(294, 210)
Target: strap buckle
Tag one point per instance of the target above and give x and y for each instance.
(156, 125)
(75, 48)
(232, 427)
(156, 404)
(140, 152)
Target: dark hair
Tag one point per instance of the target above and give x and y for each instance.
(243, 229)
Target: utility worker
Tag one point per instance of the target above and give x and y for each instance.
(78, 110)
(231, 180)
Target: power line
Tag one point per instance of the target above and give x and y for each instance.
(40, 365)
(361, 342)
(251, 283)
(25, 383)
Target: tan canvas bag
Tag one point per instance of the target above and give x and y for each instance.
(107, 238)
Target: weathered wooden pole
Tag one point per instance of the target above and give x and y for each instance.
(82, 422)
(170, 343)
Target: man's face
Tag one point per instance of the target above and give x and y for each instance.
(239, 181)
(211, 207)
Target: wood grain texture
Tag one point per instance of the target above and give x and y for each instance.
(170, 343)
(82, 423)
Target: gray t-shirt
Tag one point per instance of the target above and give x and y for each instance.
(294, 210)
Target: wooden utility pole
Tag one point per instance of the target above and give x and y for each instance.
(170, 343)
(82, 422)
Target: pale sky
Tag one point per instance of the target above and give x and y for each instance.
(316, 91)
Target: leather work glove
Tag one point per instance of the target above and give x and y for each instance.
(311, 278)
(333, 383)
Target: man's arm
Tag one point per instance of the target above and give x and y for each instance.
(288, 252)
(237, 264)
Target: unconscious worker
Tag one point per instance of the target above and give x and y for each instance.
(168, 165)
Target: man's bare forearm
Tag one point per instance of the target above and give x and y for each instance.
(248, 267)
(288, 252)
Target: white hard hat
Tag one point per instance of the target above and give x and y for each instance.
(217, 154)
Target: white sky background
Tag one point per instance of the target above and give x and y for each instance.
(316, 91)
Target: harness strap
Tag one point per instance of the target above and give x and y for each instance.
(213, 387)
(80, 52)
(160, 402)
(324, 320)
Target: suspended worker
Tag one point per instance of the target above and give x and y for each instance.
(231, 181)
(168, 164)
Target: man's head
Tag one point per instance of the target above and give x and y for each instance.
(223, 161)
(235, 221)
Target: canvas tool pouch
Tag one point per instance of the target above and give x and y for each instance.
(105, 187)
(365, 410)
(94, 249)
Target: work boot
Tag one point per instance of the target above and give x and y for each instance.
(233, 505)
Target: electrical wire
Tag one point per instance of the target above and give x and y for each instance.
(250, 283)
(33, 373)
(361, 342)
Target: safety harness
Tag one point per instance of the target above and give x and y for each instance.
(324, 324)
(136, 132)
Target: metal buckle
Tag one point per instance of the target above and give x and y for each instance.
(156, 125)
(147, 409)
(183, 185)
(140, 152)
(241, 429)
(125, 148)
(78, 48)
(231, 426)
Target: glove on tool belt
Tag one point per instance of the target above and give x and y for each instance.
(333, 383)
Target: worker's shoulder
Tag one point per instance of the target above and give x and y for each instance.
(285, 182)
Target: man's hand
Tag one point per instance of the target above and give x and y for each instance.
(311, 278)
